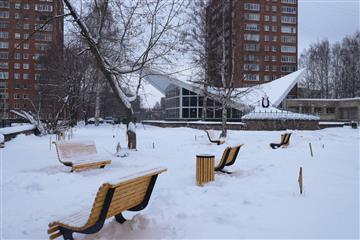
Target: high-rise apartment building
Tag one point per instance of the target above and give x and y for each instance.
(28, 30)
(259, 38)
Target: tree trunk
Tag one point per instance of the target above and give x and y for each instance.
(223, 121)
(97, 103)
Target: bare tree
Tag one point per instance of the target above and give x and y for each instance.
(146, 34)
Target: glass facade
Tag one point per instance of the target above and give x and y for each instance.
(182, 104)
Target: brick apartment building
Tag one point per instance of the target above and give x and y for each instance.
(24, 38)
(260, 40)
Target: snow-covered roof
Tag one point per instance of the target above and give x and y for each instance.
(274, 113)
(276, 90)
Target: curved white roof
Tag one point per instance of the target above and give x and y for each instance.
(276, 90)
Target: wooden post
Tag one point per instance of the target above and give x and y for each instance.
(300, 180)
(311, 151)
(153, 145)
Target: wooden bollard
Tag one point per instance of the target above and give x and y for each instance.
(300, 180)
(311, 151)
(153, 145)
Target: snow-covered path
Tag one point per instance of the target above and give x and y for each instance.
(259, 200)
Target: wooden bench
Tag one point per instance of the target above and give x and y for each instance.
(79, 155)
(131, 193)
(212, 138)
(228, 158)
(285, 141)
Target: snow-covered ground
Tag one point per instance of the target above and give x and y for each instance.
(259, 200)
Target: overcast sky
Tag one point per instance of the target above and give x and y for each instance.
(320, 19)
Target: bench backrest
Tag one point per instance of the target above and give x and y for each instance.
(129, 192)
(211, 134)
(285, 138)
(229, 156)
(72, 149)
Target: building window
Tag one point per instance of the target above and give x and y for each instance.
(16, 76)
(274, 68)
(288, 49)
(273, 58)
(266, 58)
(4, 35)
(17, 56)
(4, 24)
(273, 28)
(288, 19)
(273, 18)
(43, 8)
(266, 38)
(289, 1)
(16, 96)
(288, 39)
(252, 27)
(4, 75)
(25, 76)
(17, 35)
(252, 37)
(26, 16)
(26, 46)
(26, 66)
(251, 58)
(26, 6)
(266, 18)
(274, 38)
(17, 5)
(288, 29)
(251, 77)
(26, 26)
(25, 56)
(273, 48)
(46, 28)
(252, 16)
(288, 59)
(17, 15)
(267, 68)
(4, 45)
(4, 14)
(267, 48)
(330, 110)
(41, 46)
(274, 8)
(251, 67)
(4, 65)
(288, 10)
(288, 68)
(266, 78)
(266, 28)
(4, 55)
(251, 47)
(4, 4)
(252, 6)
(25, 96)
(39, 36)
(17, 65)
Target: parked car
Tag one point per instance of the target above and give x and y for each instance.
(109, 120)
(92, 120)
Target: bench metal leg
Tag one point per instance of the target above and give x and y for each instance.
(67, 234)
(120, 218)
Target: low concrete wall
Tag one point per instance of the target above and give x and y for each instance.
(202, 126)
(281, 124)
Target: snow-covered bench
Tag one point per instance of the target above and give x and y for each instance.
(213, 138)
(285, 141)
(228, 158)
(79, 155)
(130, 193)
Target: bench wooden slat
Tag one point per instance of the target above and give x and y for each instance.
(129, 192)
(228, 158)
(69, 151)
